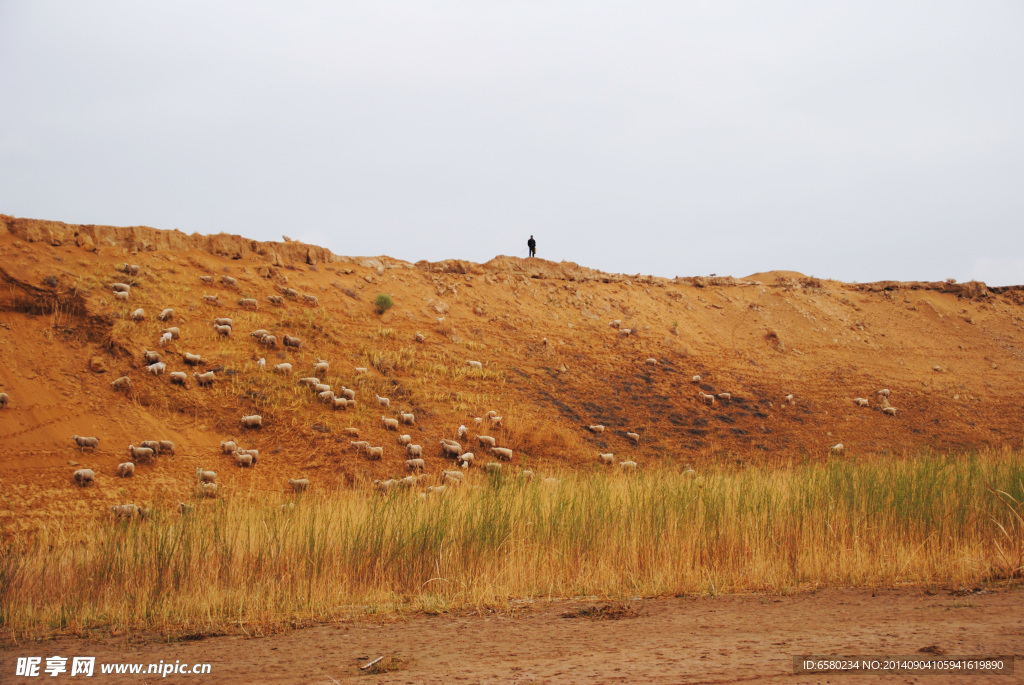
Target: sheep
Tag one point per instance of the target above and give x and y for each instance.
(311, 299)
(385, 485)
(465, 460)
(126, 511)
(141, 453)
(339, 403)
(491, 414)
(478, 422)
(262, 363)
(606, 457)
(174, 331)
(360, 369)
(452, 476)
(837, 448)
(227, 280)
(259, 333)
(407, 418)
(360, 445)
(227, 447)
(150, 444)
(327, 397)
(193, 359)
(725, 396)
(485, 440)
(707, 399)
(222, 330)
(84, 477)
(253, 421)
(404, 439)
(435, 489)
(495, 421)
(212, 299)
(208, 489)
(120, 287)
(492, 467)
(596, 428)
(624, 332)
(448, 448)
(414, 450)
(252, 453)
(291, 292)
(420, 337)
(463, 432)
(121, 296)
(185, 509)
(390, 424)
(244, 460)
(409, 481)
(285, 368)
(290, 341)
(179, 378)
(861, 401)
(321, 367)
(122, 383)
(5, 399)
(206, 279)
(891, 411)
(615, 323)
(165, 338)
(503, 453)
(696, 379)
(166, 315)
(298, 485)
(204, 378)
(268, 341)
(131, 269)
(248, 303)
(139, 314)
(126, 470)
(627, 465)
(157, 369)
(275, 299)
(635, 437)
(224, 321)
(415, 464)
(652, 360)
(321, 387)
(166, 447)
(83, 442)
(348, 393)
(884, 392)
(475, 365)
(789, 398)
(352, 431)
(150, 356)
(383, 401)
(309, 380)
(526, 474)
(204, 476)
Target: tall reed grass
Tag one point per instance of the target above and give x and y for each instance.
(242, 562)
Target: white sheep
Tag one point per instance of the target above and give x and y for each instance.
(165, 338)
(383, 401)
(420, 337)
(5, 398)
(407, 418)
(185, 509)
(386, 485)
(166, 447)
(627, 465)
(84, 477)
(348, 393)
(707, 399)
(120, 287)
(606, 457)
(309, 380)
(321, 368)
(595, 428)
(526, 474)
(208, 489)
(150, 444)
(139, 314)
(174, 331)
(404, 439)
(375, 453)
(212, 299)
(204, 476)
(449, 448)
(268, 340)
(415, 464)
(141, 453)
(492, 467)
(227, 280)
(414, 450)
(83, 442)
(339, 402)
(623, 332)
(204, 378)
(126, 511)
(126, 469)
(359, 445)
(725, 396)
(193, 359)
(291, 341)
(311, 299)
(298, 484)
(360, 369)
(452, 476)
(491, 414)
(352, 431)
(503, 453)
(275, 299)
(248, 303)
(122, 383)
(478, 422)
(465, 460)
(227, 447)
(861, 401)
(789, 398)
(262, 363)
(166, 315)
(884, 392)
(157, 369)
(389, 424)
(253, 421)
(463, 432)
(252, 453)
(475, 365)
(179, 378)
(131, 269)
(222, 330)
(150, 356)
(635, 437)
(652, 360)
(837, 448)
(285, 368)
(436, 490)
(891, 411)
(485, 440)
(495, 421)
(327, 397)
(206, 279)
(291, 292)
(615, 323)
(259, 333)
(224, 321)
(244, 460)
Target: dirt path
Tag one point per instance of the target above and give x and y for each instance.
(726, 639)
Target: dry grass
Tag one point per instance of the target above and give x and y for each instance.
(243, 561)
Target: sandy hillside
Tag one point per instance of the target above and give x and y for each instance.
(950, 354)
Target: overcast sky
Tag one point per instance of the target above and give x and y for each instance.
(855, 140)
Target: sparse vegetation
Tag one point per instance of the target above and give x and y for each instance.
(382, 303)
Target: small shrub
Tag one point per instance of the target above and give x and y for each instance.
(383, 303)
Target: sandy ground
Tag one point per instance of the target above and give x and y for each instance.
(672, 640)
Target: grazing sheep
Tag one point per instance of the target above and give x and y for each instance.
(291, 292)
(492, 467)
(311, 299)
(120, 287)
(491, 414)
(404, 439)
(463, 432)
(409, 481)
(837, 449)
(253, 421)
(275, 299)
(606, 457)
(360, 445)
(360, 369)
(696, 379)
(327, 397)
(415, 464)
(414, 450)
(193, 359)
(156, 369)
(174, 331)
(262, 363)
(131, 269)
(478, 422)
(596, 428)
(165, 338)
(407, 418)
(465, 460)
(285, 368)
(204, 476)
(321, 368)
(126, 511)
(352, 431)
(208, 489)
(789, 398)
(244, 460)
(84, 477)
(206, 279)
(268, 341)
(139, 314)
(707, 399)
(652, 360)
(348, 393)
(339, 403)
(166, 315)
(615, 323)
(179, 378)
(623, 332)
(259, 333)
(150, 356)
(212, 299)
(150, 444)
(167, 447)
(884, 392)
(227, 447)
(222, 330)
(385, 485)
(435, 489)
(227, 280)
(526, 474)
(383, 401)
(321, 387)
(298, 485)
(485, 440)
(452, 476)
(448, 448)
(5, 399)
(475, 365)
(495, 421)
(224, 321)
(185, 509)
(627, 465)
(252, 453)
(83, 442)
(121, 296)
(725, 396)
(891, 411)
(635, 437)
(141, 453)
(503, 453)
(420, 337)
(126, 470)
(290, 341)
(390, 424)
(861, 401)
(122, 383)
(248, 303)
(309, 380)
(204, 378)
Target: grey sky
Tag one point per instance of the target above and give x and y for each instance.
(857, 140)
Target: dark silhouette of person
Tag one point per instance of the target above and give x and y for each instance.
(532, 244)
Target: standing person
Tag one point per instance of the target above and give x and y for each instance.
(532, 244)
